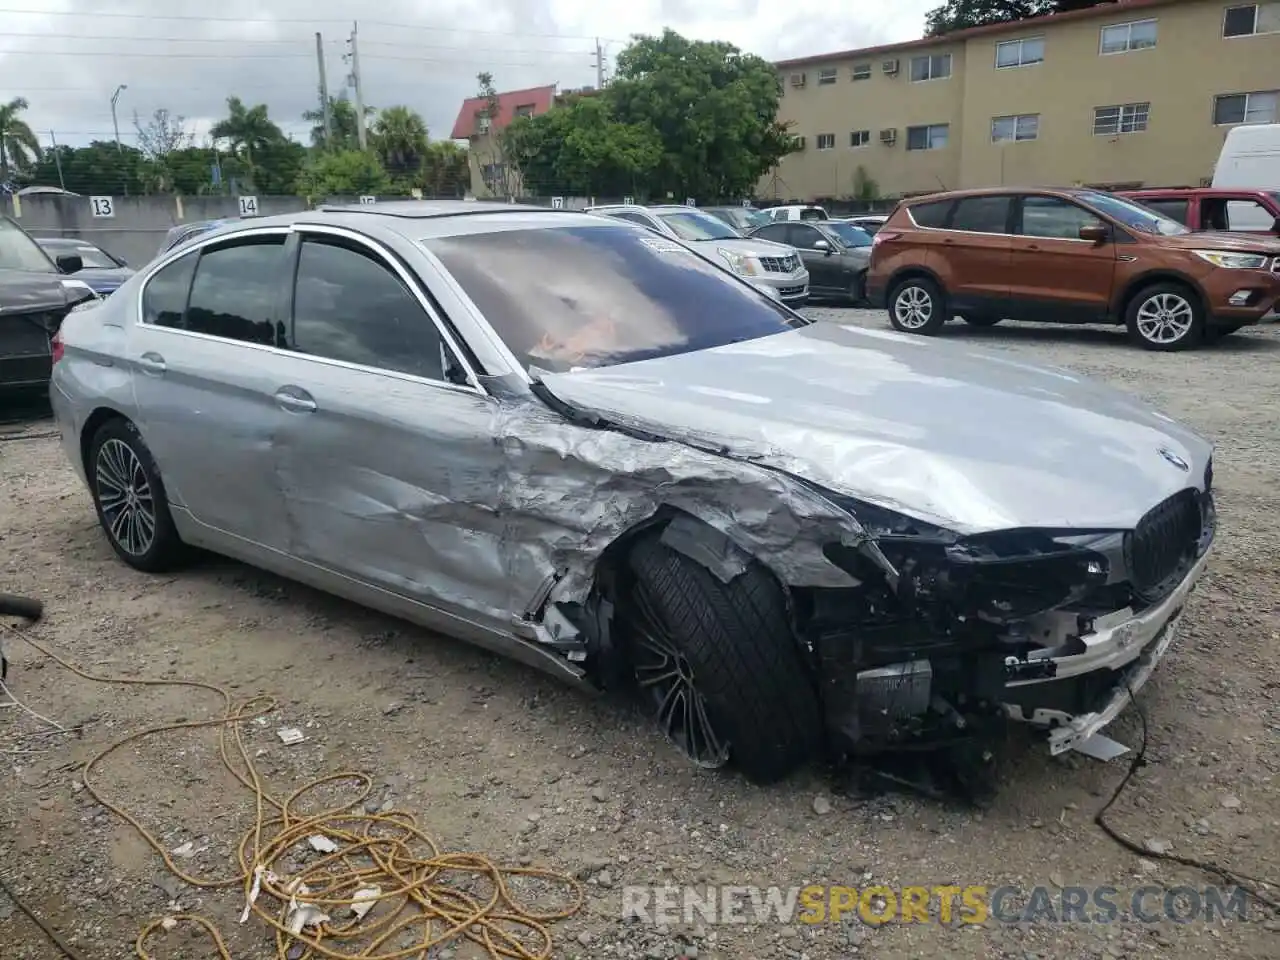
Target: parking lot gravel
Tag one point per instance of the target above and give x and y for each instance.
(493, 758)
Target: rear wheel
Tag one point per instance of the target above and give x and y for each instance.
(1166, 317)
(917, 305)
(720, 664)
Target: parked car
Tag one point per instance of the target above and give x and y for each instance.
(574, 442)
(868, 222)
(835, 253)
(796, 212)
(742, 219)
(35, 295)
(761, 262)
(1069, 256)
(185, 231)
(1250, 157)
(1209, 208)
(102, 271)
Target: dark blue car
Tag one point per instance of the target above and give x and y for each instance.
(103, 272)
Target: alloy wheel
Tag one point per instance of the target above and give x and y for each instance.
(666, 677)
(1165, 318)
(125, 497)
(913, 308)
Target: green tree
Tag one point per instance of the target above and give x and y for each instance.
(99, 168)
(19, 147)
(713, 108)
(347, 173)
(963, 14)
(249, 132)
(342, 117)
(159, 139)
(400, 140)
(446, 170)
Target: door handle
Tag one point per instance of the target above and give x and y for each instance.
(152, 363)
(295, 400)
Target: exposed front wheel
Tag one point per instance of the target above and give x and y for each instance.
(1166, 316)
(130, 500)
(916, 305)
(720, 664)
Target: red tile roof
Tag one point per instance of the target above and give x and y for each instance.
(1116, 8)
(539, 98)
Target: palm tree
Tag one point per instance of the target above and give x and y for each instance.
(400, 137)
(342, 118)
(248, 130)
(19, 147)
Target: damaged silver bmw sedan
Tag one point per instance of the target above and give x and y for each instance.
(572, 442)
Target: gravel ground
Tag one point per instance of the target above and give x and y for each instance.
(494, 758)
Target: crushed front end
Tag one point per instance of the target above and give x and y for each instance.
(946, 635)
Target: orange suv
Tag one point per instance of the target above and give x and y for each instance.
(1068, 256)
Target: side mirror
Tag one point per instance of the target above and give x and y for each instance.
(69, 263)
(1095, 234)
(822, 245)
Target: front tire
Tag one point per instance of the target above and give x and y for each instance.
(1166, 317)
(130, 500)
(917, 305)
(721, 664)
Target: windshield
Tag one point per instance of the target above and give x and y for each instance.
(848, 234)
(1134, 215)
(691, 225)
(576, 297)
(19, 252)
(90, 256)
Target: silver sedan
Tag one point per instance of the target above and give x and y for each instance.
(574, 442)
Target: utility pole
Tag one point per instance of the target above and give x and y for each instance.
(324, 94)
(599, 65)
(115, 97)
(57, 159)
(355, 83)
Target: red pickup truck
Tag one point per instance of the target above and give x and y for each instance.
(1209, 208)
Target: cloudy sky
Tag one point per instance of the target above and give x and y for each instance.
(67, 57)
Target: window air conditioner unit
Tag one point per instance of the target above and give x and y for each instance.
(797, 79)
(889, 136)
(889, 67)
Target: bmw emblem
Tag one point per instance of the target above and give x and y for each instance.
(1173, 458)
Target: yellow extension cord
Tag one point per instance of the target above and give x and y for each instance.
(411, 879)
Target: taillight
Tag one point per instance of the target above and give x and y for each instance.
(56, 344)
(884, 235)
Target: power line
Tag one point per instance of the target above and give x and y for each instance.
(124, 54)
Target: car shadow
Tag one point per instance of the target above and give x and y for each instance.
(1246, 342)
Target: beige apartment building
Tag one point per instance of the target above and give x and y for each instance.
(1138, 92)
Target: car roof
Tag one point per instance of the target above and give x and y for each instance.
(999, 191)
(1191, 191)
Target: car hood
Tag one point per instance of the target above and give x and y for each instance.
(1217, 240)
(970, 440)
(750, 247)
(25, 292)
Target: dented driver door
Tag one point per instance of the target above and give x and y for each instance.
(389, 471)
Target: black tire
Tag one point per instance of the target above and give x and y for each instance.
(1180, 303)
(1213, 334)
(164, 550)
(736, 639)
(981, 319)
(930, 303)
(858, 289)
(25, 607)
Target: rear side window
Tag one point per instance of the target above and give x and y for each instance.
(982, 215)
(776, 232)
(932, 215)
(349, 305)
(813, 213)
(235, 289)
(1174, 209)
(164, 302)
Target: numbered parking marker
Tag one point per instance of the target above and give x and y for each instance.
(102, 206)
(627, 201)
(367, 199)
(557, 203)
(248, 206)
(690, 202)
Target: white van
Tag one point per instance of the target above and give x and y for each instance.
(1250, 158)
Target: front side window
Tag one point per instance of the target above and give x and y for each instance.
(936, 67)
(234, 292)
(164, 301)
(982, 214)
(692, 226)
(777, 232)
(848, 234)
(1262, 106)
(1054, 218)
(1133, 215)
(933, 137)
(1172, 208)
(348, 305)
(19, 252)
(90, 256)
(1020, 53)
(1122, 118)
(594, 296)
(1127, 37)
(804, 237)
(1024, 126)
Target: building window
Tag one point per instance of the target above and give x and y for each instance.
(826, 75)
(483, 124)
(937, 67)
(859, 138)
(1124, 118)
(933, 137)
(1024, 126)
(826, 141)
(524, 110)
(1020, 53)
(1260, 107)
(1127, 37)
(1251, 19)
(862, 71)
